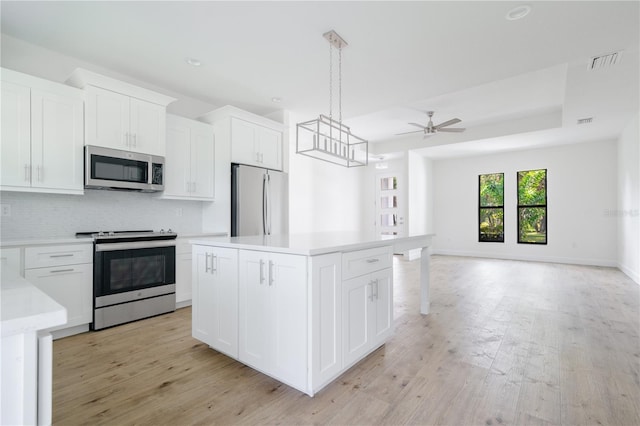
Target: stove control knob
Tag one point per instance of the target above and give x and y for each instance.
(111, 233)
(162, 231)
(100, 234)
(169, 231)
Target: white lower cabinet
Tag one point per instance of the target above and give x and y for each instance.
(64, 273)
(297, 319)
(368, 316)
(183, 273)
(215, 298)
(273, 314)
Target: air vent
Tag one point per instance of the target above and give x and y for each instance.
(604, 61)
(585, 120)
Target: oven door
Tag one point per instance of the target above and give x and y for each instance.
(129, 267)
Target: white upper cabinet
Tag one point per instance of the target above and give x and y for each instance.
(42, 135)
(121, 122)
(255, 145)
(190, 159)
(253, 140)
(122, 116)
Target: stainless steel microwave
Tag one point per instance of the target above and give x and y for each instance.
(106, 168)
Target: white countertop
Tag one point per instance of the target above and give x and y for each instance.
(44, 241)
(317, 243)
(24, 307)
(75, 240)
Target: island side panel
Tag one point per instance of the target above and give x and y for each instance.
(325, 305)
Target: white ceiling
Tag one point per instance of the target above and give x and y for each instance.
(461, 59)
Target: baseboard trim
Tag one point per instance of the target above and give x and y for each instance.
(634, 275)
(566, 260)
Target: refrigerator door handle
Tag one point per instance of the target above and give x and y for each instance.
(264, 205)
(268, 204)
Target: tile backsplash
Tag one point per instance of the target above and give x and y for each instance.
(35, 215)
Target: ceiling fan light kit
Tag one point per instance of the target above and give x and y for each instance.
(326, 138)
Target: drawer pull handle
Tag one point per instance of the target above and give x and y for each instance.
(63, 270)
(373, 260)
(61, 255)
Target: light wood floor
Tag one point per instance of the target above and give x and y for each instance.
(507, 343)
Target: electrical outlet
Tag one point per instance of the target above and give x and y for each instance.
(179, 211)
(6, 209)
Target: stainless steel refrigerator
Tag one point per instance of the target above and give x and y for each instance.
(259, 201)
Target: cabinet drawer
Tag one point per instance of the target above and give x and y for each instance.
(42, 257)
(362, 262)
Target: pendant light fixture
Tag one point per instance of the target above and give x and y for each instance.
(326, 138)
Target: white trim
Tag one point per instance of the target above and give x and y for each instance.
(81, 78)
(634, 275)
(566, 260)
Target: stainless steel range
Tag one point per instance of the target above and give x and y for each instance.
(134, 275)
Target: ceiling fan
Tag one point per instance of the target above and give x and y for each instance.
(431, 129)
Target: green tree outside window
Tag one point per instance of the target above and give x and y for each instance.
(532, 207)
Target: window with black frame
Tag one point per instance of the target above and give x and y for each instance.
(532, 207)
(491, 208)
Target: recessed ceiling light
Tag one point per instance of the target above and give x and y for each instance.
(193, 62)
(276, 100)
(518, 12)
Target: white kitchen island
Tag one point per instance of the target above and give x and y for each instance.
(301, 308)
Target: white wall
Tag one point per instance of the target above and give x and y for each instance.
(629, 200)
(581, 192)
(323, 197)
(36, 215)
(420, 184)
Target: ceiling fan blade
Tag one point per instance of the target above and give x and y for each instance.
(448, 123)
(452, 129)
(413, 131)
(418, 125)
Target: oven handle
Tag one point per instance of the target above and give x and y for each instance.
(134, 245)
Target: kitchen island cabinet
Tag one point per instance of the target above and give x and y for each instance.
(309, 306)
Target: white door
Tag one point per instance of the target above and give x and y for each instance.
(178, 160)
(69, 285)
(270, 148)
(147, 127)
(57, 140)
(254, 309)
(356, 302)
(107, 118)
(389, 204)
(383, 300)
(243, 143)
(15, 142)
(287, 280)
(224, 267)
(202, 316)
(202, 161)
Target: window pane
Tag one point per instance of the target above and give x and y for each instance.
(492, 225)
(532, 188)
(388, 183)
(388, 202)
(532, 225)
(388, 220)
(492, 190)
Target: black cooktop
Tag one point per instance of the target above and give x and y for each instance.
(127, 236)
